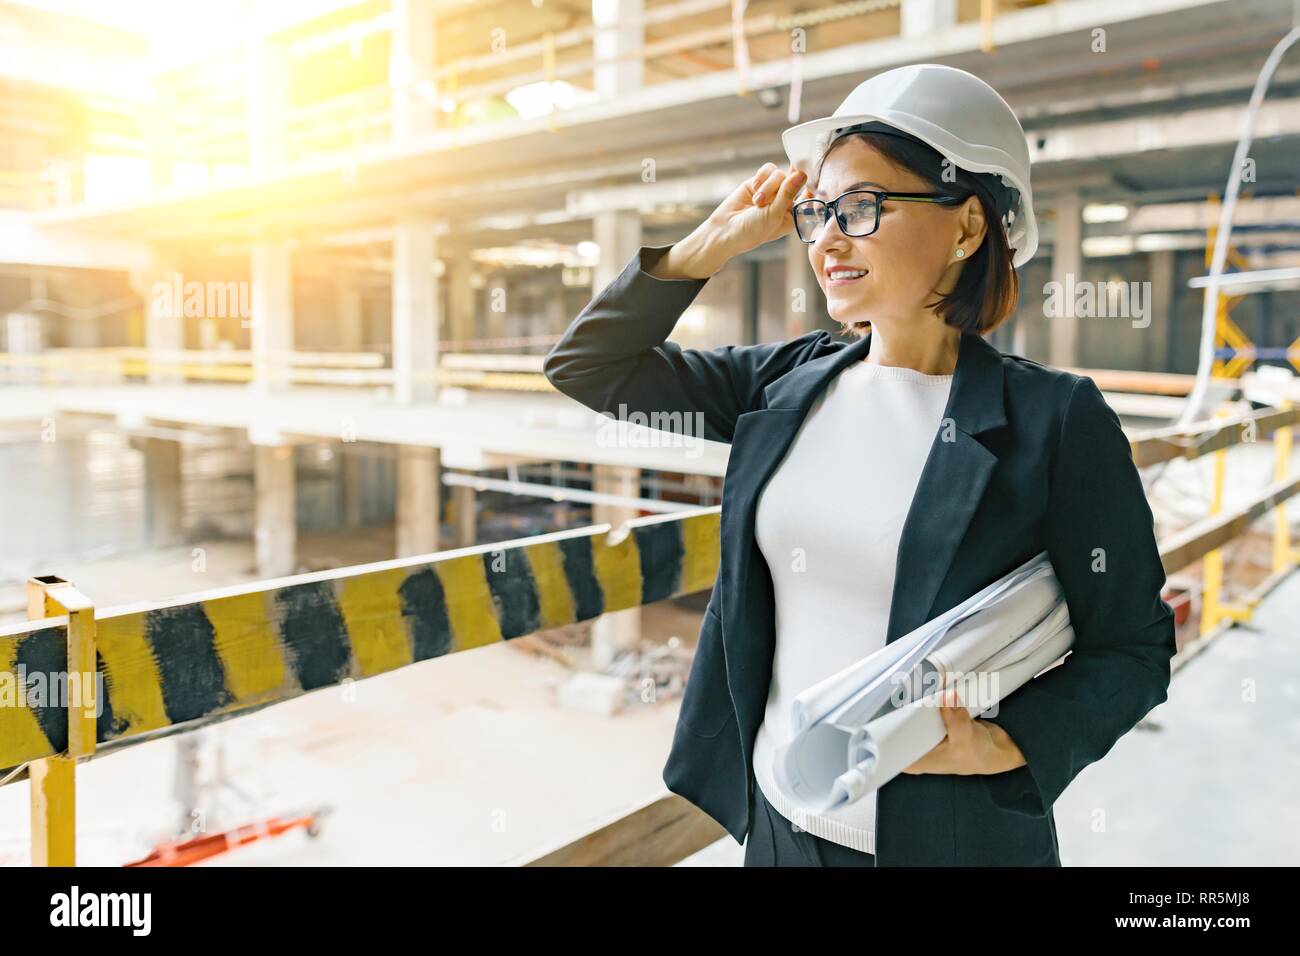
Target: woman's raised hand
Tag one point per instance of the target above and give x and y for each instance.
(757, 211)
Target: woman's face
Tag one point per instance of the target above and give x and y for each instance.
(909, 257)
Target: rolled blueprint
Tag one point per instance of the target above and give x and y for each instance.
(859, 691)
(859, 728)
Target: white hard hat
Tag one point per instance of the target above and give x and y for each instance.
(956, 113)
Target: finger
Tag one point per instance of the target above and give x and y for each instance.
(806, 191)
(771, 183)
(790, 189)
(951, 731)
(958, 725)
(745, 189)
(761, 174)
(752, 184)
(779, 191)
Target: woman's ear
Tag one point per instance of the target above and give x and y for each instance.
(972, 225)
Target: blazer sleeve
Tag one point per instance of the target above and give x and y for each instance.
(1101, 541)
(615, 358)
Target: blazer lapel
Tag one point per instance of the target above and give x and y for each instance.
(950, 488)
(951, 485)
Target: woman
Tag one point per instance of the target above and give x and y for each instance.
(875, 483)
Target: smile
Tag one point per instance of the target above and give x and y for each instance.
(841, 276)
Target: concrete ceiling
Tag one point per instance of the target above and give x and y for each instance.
(1186, 70)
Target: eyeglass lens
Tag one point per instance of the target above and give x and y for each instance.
(857, 216)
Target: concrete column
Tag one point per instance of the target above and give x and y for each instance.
(465, 501)
(619, 30)
(82, 333)
(411, 67)
(351, 315)
(144, 282)
(23, 337)
(185, 782)
(800, 288)
(164, 324)
(1067, 271)
(271, 324)
(418, 505)
(497, 296)
(1156, 335)
(460, 299)
(921, 18)
(266, 72)
(162, 490)
(618, 234)
(72, 454)
(276, 532)
(415, 312)
(619, 631)
(354, 476)
(557, 316)
(1019, 336)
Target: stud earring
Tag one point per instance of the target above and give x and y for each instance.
(961, 253)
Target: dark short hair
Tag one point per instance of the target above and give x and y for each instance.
(988, 287)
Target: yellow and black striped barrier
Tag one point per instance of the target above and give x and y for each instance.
(207, 656)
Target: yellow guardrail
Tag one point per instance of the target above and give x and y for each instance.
(186, 662)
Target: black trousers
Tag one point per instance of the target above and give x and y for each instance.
(775, 841)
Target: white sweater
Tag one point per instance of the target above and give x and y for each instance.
(828, 524)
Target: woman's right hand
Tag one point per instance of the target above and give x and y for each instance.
(757, 211)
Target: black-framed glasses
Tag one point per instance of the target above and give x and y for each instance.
(857, 211)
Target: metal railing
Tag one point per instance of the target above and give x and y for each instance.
(120, 365)
(184, 663)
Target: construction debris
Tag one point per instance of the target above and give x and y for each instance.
(653, 671)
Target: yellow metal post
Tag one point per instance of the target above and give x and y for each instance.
(1213, 608)
(53, 779)
(1227, 334)
(1283, 441)
(1212, 564)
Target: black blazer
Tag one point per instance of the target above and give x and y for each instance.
(1029, 458)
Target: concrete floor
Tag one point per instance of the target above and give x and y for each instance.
(1211, 777)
